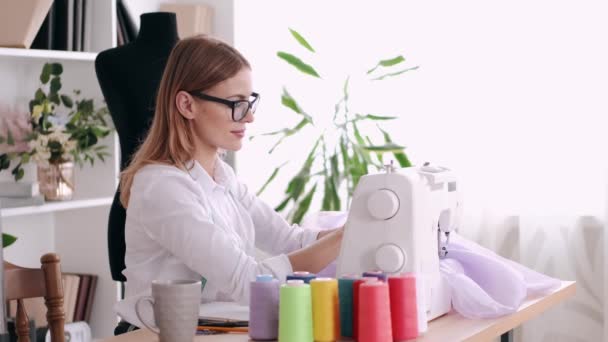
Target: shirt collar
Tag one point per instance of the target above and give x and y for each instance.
(222, 172)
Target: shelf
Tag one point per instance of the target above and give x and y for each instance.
(49, 207)
(47, 54)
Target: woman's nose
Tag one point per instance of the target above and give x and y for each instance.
(249, 118)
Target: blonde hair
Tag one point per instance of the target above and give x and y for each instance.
(195, 64)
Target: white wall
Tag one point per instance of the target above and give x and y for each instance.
(509, 94)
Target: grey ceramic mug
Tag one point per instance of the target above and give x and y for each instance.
(176, 304)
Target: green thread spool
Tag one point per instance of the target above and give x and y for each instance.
(345, 293)
(295, 312)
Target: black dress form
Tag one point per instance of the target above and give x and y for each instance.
(129, 77)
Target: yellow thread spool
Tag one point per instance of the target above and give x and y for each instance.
(325, 311)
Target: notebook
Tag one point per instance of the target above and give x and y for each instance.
(223, 312)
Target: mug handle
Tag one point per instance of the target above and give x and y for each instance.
(150, 300)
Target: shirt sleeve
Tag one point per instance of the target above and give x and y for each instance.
(174, 215)
(273, 234)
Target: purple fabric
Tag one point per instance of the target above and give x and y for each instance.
(486, 285)
(483, 284)
(329, 271)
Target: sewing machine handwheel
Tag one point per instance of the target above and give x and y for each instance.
(383, 204)
(390, 258)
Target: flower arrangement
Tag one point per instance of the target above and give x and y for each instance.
(59, 129)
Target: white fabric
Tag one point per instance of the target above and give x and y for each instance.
(188, 225)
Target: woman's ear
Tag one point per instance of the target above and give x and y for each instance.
(185, 104)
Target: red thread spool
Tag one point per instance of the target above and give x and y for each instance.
(374, 313)
(404, 306)
(356, 286)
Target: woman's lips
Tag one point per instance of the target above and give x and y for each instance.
(239, 133)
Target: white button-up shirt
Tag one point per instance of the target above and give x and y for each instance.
(186, 225)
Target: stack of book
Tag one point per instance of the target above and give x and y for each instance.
(68, 27)
(78, 294)
(126, 31)
(19, 194)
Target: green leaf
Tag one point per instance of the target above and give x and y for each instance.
(99, 131)
(18, 172)
(297, 184)
(5, 161)
(287, 132)
(326, 204)
(7, 240)
(301, 40)
(335, 181)
(389, 147)
(298, 64)
(374, 117)
(345, 157)
(54, 98)
(283, 204)
(288, 101)
(402, 158)
(9, 138)
(56, 69)
(345, 88)
(25, 158)
(270, 179)
(387, 63)
(304, 206)
(55, 84)
(39, 96)
(67, 101)
(85, 106)
(394, 74)
(46, 73)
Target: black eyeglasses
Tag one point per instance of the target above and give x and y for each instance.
(240, 108)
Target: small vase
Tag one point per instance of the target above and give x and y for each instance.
(56, 181)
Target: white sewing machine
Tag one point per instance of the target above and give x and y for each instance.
(399, 221)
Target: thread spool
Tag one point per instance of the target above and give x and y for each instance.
(404, 308)
(325, 313)
(264, 308)
(346, 300)
(374, 313)
(295, 312)
(376, 273)
(356, 287)
(300, 275)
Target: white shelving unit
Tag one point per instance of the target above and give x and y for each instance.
(77, 229)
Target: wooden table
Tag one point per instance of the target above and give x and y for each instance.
(451, 327)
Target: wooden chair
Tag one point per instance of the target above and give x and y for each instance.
(21, 283)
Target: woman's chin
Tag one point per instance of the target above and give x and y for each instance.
(233, 146)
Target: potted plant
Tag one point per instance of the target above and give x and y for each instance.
(61, 132)
(334, 166)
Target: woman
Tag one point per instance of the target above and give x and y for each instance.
(188, 217)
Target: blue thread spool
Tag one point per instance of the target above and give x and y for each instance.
(305, 276)
(264, 308)
(375, 273)
(345, 295)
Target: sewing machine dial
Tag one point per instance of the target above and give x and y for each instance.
(383, 204)
(390, 258)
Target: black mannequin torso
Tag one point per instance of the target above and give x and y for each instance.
(129, 77)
